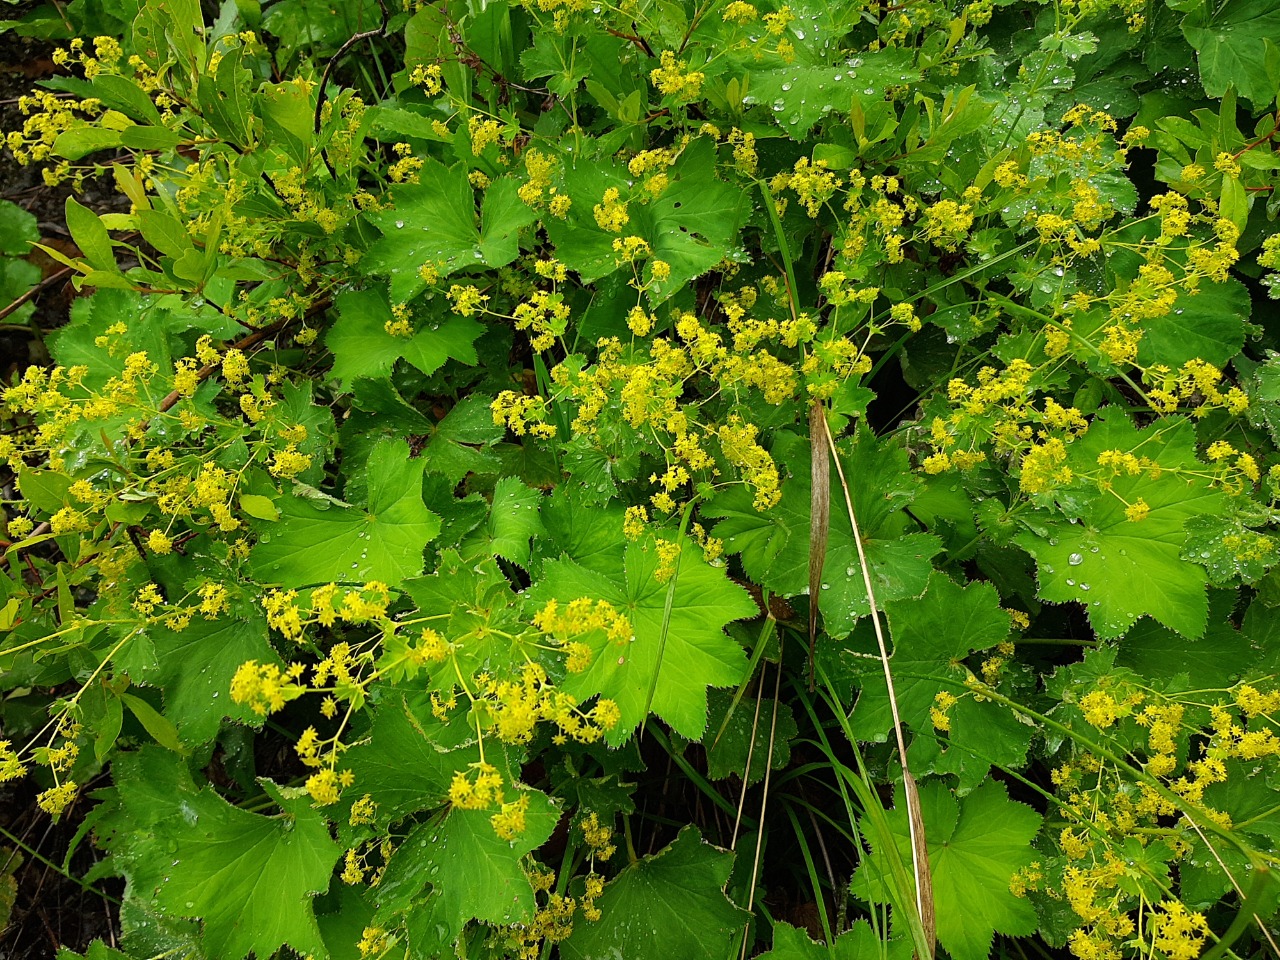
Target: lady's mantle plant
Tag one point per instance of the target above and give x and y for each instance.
(424, 523)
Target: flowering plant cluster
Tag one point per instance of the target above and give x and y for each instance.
(424, 541)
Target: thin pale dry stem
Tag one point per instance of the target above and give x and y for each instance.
(919, 850)
(751, 746)
(764, 798)
(1235, 884)
(819, 524)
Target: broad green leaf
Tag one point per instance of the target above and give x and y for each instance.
(1119, 569)
(931, 638)
(250, 878)
(1210, 325)
(18, 230)
(774, 545)
(1230, 41)
(434, 221)
(694, 654)
(195, 667)
(747, 734)
(554, 55)
(585, 534)
(409, 760)
(799, 96)
(362, 347)
(476, 873)
(975, 844)
(693, 224)
(460, 442)
(671, 904)
(514, 520)
(382, 541)
(1215, 659)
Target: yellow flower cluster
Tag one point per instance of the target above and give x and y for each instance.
(522, 414)
(673, 77)
(264, 687)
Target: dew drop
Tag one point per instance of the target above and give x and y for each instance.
(1075, 559)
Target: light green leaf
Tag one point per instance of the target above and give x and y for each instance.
(259, 507)
(195, 667)
(250, 878)
(1210, 325)
(975, 845)
(514, 520)
(476, 874)
(798, 96)
(434, 221)
(931, 638)
(90, 236)
(362, 347)
(669, 905)
(409, 759)
(1230, 41)
(695, 655)
(1119, 569)
(383, 541)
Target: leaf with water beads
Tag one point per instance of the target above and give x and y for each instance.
(315, 543)
(669, 905)
(1121, 569)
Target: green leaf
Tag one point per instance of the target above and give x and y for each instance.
(90, 236)
(975, 845)
(931, 638)
(459, 443)
(799, 96)
(695, 655)
(409, 759)
(1230, 41)
(774, 545)
(747, 734)
(250, 878)
(1210, 325)
(161, 730)
(553, 55)
(671, 904)
(514, 520)
(18, 230)
(362, 347)
(476, 874)
(1119, 569)
(259, 507)
(434, 221)
(383, 541)
(1216, 659)
(195, 667)
(693, 224)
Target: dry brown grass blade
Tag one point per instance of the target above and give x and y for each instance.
(924, 876)
(819, 522)
(919, 850)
